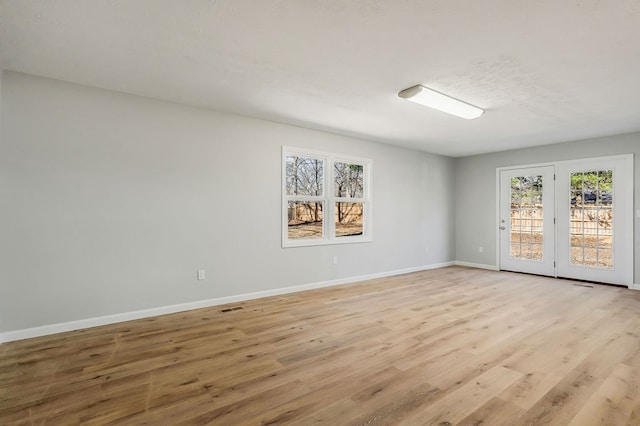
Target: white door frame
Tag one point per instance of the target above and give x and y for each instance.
(628, 223)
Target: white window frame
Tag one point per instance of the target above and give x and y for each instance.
(328, 199)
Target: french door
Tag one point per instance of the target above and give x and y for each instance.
(526, 220)
(595, 219)
(573, 219)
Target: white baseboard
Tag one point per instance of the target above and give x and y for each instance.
(634, 286)
(477, 265)
(45, 330)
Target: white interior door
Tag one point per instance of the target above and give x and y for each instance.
(526, 220)
(595, 219)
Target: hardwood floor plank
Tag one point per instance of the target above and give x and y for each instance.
(568, 397)
(494, 412)
(447, 346)
(462, 402)
(602, 407)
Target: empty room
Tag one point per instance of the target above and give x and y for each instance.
(341, 212)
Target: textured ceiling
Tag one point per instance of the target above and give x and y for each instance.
(546, 71)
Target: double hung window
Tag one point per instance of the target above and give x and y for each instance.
(326, 198)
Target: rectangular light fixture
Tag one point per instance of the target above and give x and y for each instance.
(436, 100)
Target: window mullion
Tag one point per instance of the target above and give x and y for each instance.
(310, 198)
(329, 185)
(350, 200)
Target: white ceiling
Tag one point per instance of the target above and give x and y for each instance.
(546, 71)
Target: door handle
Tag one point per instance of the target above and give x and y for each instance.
(502, 228)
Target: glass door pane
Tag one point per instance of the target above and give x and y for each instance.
(591, 219)
(527, 233)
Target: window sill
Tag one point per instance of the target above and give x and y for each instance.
(326, 242)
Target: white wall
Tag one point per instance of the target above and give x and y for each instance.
(475, 190)
(109, 203)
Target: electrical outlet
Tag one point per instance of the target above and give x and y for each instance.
(201, 274)
(335, 260)
(481, 249)
(426, 251)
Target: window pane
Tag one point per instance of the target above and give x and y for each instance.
(605, 187)
(349, 180)
(589, 197)
(576, 199)
(590, 241)
(576, 256)
(526, 237)
(536, 250)
(304, 220)
(515, 184)
(591, 230)
(576, 182)
(605, 219)
(590, 257)
(526, 252)
(577, 241)
(304, 175)
(589, 181)
(605, 259)
(348, 219)
(605, 241)
(526, 217)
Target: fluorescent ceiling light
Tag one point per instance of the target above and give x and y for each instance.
(436, 100)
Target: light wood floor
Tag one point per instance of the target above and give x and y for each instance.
(448, 346)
